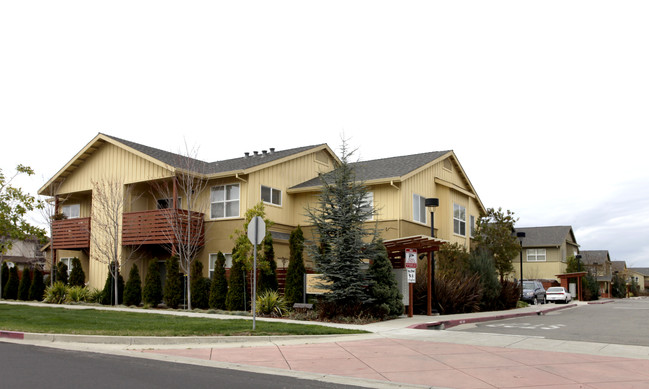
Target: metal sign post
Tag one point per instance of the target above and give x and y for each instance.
(411, 268)
(256, 234)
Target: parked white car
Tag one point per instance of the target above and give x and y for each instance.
(558, 294)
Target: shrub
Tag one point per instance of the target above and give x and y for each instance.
(270, 303)
(387, 299)
(294, 288)
(11, 288)
(4, 279)
(108, 294)
(510, 293)
(267, 273)
(173, 290)
(200, 287)
(133, 288)
(77, 294)
(23, 286)
(590, 287)
(95, 295)
(482, 264)
(77, 276)
(237, 297)
(37, 288)
(219, 287)
(56, 294)
(454, 292)
(62, 272)
(152, 293)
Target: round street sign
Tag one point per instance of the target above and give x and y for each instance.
(256, 230)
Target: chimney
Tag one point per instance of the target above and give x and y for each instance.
(247, 154)
(272, 150)
(264, 152)
(256, 152)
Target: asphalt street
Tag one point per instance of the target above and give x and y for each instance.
(622, 322)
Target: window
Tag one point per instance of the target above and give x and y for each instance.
(271, 196)
(212, 264)
(168, 203)
(459, 220)
(419, 208)
(68, 262)
(224, 201)
(472, 226)
(367, 205)
(71, 211)
(535, 255)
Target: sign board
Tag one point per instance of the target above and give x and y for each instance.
(411, 258)
(412, 275)
(256, 230)
(316, 284)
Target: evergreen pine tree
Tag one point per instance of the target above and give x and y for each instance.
(152, 293)
(23, 286)
(173, 290)
(133, 288)
(268, 273)
(219, 287)
(200, 287)
(11, 287)
(5, 278)
(384, 290)
(37, 288)
(62, 273)
(108, 293)
(77, 276)
(482, 264)
(344, 238)
(294, 287)
(238, 297)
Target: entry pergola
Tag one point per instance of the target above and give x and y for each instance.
(423, 244)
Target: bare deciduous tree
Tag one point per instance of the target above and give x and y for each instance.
(186, 221)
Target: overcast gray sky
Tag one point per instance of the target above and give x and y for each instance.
(544, 103)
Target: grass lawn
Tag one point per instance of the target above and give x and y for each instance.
(24, 318)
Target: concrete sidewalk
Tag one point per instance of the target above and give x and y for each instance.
(398, 353)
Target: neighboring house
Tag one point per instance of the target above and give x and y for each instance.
(25, 254)
(286, 181)
(640, 275)
(545, 252)
(598, 263)
(619, 268)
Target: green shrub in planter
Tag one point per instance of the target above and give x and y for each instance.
(271, 303)
(23, 286)
(133, 288)
(219, 287)
(56, 294)
(11, 288)
(77, 294)
(152, 292)
(62, 272)
(37, 288)
(173, 290)
(77, 276)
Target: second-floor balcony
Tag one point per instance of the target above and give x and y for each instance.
(163, 226)
(71, 233)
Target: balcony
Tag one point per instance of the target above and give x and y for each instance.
(71, 233)
(162, 226)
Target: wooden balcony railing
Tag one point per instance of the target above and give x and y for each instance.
(71, 233)
(162, 226)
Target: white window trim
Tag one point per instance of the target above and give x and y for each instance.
(225, 201)
(272, 190)
(417, 204)
(68, 263)
(212, 262)
(533, 255)
(462, 222)
(67, 210)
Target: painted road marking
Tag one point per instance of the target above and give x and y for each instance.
(527, 326)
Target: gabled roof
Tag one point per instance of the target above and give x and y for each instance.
(551, 236)
(173, 161)
(642, 270)
(393, 170)
(619, 266)
(590, 257)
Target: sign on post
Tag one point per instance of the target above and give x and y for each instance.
(256, 234)
(411, 265)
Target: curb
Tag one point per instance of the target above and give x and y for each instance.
(601, 302)
(443, 324)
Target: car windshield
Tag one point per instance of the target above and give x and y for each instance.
(528, 285)
(555, 289)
